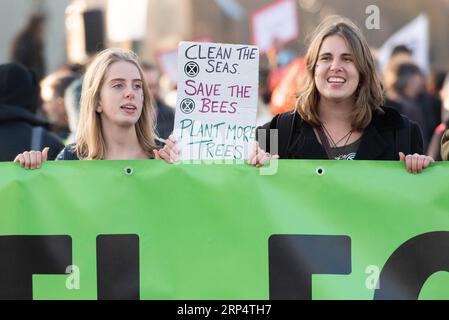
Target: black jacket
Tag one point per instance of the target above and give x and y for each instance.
(419, 111)
(16, 126)
(382, 139)
(68, 153)
(18, 93)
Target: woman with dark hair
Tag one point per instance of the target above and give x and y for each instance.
(408, 96)
(339, 113)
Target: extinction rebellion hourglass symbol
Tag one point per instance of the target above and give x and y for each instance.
(191, 69)
(187, 106)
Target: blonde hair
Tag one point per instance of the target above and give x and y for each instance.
(369, 95)
(90, 140)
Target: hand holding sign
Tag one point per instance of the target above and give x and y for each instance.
(217, 100)
(169, 152)
(258, 157)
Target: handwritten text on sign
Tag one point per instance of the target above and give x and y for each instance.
(217, 100)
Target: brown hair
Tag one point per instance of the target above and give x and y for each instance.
(369, 95)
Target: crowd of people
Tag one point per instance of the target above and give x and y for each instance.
(113, 107)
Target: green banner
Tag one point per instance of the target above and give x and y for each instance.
(148, 230)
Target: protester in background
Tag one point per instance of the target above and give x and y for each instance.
(339, 113)
(116, 114)
(434, 85)
(72, 99)
(375, 55)
(280, 64)
(409, 98)
(283, 96)
(28, 46)
(400, 54)
(20, 128)
(441, 135)
(53, 103)
(165, 115)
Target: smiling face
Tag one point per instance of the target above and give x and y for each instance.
(121, 96)
(336, 75)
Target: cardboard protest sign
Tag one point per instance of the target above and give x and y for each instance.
(217, 100)
(126, 22)
(415, 36)
(275, 24)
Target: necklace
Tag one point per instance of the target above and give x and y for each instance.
(346, 142)
(334, 144)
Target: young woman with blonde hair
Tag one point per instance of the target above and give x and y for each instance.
(116, 116)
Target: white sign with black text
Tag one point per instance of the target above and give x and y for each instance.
(217, 100)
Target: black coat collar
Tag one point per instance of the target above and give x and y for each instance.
(375, 138)
(372, 144)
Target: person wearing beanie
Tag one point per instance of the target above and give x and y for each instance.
(20, 128)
